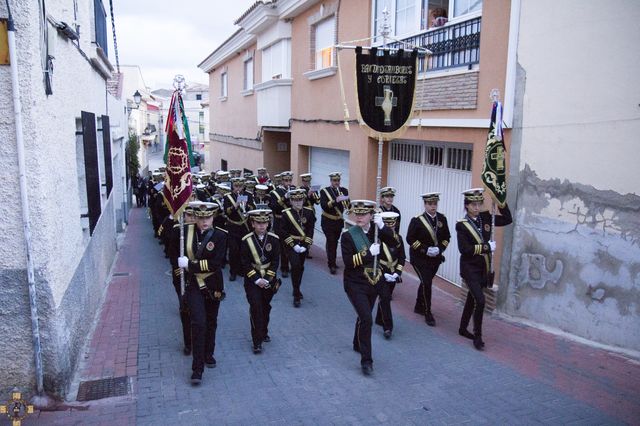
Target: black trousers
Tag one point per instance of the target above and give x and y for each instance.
(185, 318)
(332, 230)
(204, 322)
(474, 304)
(384, 316)
(284, 256)
(362, 296)
(426, 271)
(297, 269)
(259, 309)
(235, 264)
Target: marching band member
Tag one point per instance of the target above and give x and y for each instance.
(334, 200)
(235, 211)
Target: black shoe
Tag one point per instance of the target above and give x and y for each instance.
(387, 334)
(232, 277)
(332, 270)
(186, 350)
(285, 274)
(266, 339)
(429, 319)
(210, 362)
(296, 303)
(196, 377)
(257, 348)
(367, 369)
(465, 333)
(478, 343)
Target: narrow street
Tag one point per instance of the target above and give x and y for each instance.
(308, 373)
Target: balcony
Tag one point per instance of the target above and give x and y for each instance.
(453, 45)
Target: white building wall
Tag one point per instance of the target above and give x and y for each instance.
(575, 185)
(66, 304)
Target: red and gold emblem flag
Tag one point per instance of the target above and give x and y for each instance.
(177, 181)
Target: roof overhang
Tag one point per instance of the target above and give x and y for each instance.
(235, 44)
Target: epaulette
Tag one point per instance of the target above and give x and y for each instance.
(247, 236)
(176, 225)
(309, 208)
(223, 230)
(462, 220)
(273, 235)
(417, 216)
(286, 210)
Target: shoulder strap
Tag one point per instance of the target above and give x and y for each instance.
(190, 229)
(205, 241)
(429, 229)
(253, 250)
(473, 231)
(295, 223)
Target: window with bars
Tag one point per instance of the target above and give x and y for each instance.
(406, 152)
(459, 159)
(435, 155)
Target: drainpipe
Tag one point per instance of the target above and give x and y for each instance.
(17, 111)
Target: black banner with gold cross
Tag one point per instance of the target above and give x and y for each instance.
(385, 82)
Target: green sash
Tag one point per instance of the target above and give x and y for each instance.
(360, 239)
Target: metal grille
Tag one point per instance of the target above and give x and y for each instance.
(406, 152)
(103, 388)
(434, 155)
(459, 159)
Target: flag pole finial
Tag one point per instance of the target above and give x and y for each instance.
(179, 83)
(494, 95)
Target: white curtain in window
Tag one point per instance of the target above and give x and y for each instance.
(325, 40)
(248, 74)
(462, 7)
(276, 61)
(405, 17)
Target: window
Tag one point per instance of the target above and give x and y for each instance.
(462, 7)
(325, 39)
(198, 97)
(223, 165)
(276, 61)
(201, 122)
(223, 85)
(248, 74)
(101, 24)
(405, 16)
(408, 152)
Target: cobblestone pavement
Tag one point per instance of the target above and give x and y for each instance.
(308, 373)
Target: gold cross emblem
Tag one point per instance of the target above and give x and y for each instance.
(499, 157)
(16, 409)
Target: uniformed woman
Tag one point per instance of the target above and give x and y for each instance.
(358, 251)
(476, 249)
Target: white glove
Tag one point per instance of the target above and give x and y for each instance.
(389, 278)
(395, 276)
(302, 249)
(261, 282)
(492, 245)
(377, 219)
(433, 251)
(342, 198)
(183, 262)
(299, 249)
(374, 249)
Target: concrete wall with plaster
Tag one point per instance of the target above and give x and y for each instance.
(575, 185)
(71, 266)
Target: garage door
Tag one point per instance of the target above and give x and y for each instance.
(416, 167)
(324, 161)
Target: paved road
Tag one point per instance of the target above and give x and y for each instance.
(308, 373)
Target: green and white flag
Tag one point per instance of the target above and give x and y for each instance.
(494, 167)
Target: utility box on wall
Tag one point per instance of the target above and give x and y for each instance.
(4, 43)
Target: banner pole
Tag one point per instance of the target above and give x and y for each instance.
(378, 185)
(182, 253)
(493, 226)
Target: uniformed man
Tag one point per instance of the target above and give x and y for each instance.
(297, 234)
(476, 249)
(261, 196)
(334, 200)
(276, 182)
(235, 210)
(392, 259)
(250, 184)
(260, 256)
(235, 173)
(204, 251)
(263, 177)
(280, 202)
(313, 198)
(360, 279)
(222, 176)
(428, 237)
(173, 252)
(387, 195)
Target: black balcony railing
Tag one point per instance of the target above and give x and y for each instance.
(454, 45)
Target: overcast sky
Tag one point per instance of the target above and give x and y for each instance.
(166, 38)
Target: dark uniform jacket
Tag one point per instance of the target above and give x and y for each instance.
(278, 201)
(392, 256)
(473, 243)
(330, 208)
(356, 260)
(395, 210)
(312, 199)
(206, 251)
(236, 220)
(298, 227)
(260, 259)
(420, 236)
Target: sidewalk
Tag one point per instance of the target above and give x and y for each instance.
(308, 373)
